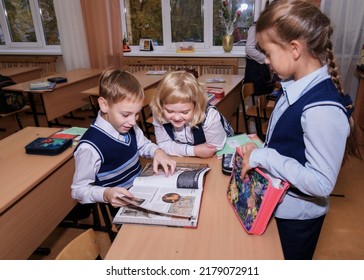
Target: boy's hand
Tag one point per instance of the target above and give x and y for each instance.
(161, 158)
(204, 150)
(246, 151)
(111, 196)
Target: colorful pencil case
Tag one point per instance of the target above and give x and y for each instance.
(255, 197)
(48, 146)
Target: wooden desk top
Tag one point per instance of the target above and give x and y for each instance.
(72, 76)
(21, 172)
(13, 71)
(219, 234)
(146, 81)
(231, 81)
(22, 74)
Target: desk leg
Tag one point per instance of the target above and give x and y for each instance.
(34, 108)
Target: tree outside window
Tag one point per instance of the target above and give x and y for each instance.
(167, 22)
(28, 23)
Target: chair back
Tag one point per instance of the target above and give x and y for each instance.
(83, 247)
(248, 90)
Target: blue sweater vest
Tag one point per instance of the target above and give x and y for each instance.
(287, 136)
(198, 133)
(120, 161)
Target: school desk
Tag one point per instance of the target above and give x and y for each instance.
(65, 97)
(230, 103)
(22, 74)
(218, 236)
(147, 82)
(35, 193)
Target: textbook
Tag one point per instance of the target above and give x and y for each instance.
(75, 133)
(215, 80)
(46, 86)
(166, 201)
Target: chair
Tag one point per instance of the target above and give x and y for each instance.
(83, 211)
(83, 247)
(249, 106)
(265, 109)
(147, 119)
(16, 114)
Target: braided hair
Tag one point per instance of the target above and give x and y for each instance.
(287, 20)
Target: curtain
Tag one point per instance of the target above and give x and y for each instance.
(72, 34)
(103, 31)
(347, 19)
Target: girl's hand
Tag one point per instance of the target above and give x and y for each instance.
(111, 196)
(204, 150)
(246, 151)
(161, 158)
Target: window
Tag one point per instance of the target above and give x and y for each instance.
(168, 22)
(27, 25)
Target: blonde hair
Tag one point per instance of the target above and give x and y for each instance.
(287, 20)
(180, 87)
(115, 85)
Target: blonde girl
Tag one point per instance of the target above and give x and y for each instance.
(184, 123)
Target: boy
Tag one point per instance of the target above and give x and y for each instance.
(107, 157)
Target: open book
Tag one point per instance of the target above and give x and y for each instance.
(159, 200)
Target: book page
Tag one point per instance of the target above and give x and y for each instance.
(161, 206)
(185, 176)
(168, 201)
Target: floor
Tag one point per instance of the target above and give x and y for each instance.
(342, 236)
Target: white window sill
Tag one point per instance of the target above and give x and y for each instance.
(237, 51)
(29, 51)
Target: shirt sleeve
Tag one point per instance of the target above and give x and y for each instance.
(326, 129)
(170, 146)
(213, 129)
(146, 148)
(87, 165)
(251, 47)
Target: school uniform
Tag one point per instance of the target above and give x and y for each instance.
(106, 158)
(184, 139)
(305, 145)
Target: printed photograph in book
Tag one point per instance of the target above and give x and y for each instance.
(174, 200)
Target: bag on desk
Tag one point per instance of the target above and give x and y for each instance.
(48, 146)
(255, 197)
(10, 101)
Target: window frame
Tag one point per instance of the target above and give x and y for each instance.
(38, 47)
(167, 32)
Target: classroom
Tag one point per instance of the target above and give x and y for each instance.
(71, 43)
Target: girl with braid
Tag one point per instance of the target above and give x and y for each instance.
(311, 127)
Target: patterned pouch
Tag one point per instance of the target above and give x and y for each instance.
(255, 197)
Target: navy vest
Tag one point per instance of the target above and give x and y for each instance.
(198, 133)
(120, 161)
(287, 136)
